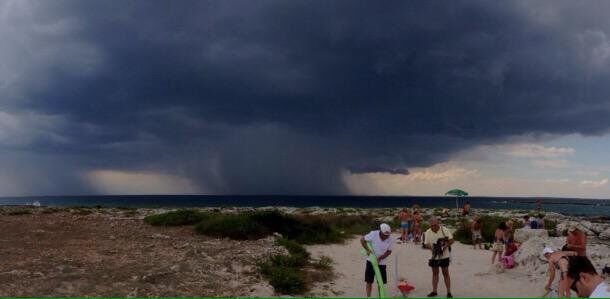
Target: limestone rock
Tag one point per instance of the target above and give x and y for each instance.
(605, 235)
(524, 234)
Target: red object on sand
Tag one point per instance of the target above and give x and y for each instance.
(405, 287)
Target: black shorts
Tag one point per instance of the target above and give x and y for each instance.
(443, 263)
(369, 273)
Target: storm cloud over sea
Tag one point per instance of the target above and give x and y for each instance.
(284, 97)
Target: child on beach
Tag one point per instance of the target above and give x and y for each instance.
(477, 237)
(499, 240)
(416, 227)
(405, 218)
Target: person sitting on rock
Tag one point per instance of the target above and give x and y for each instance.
(576, 241)
(558, 261)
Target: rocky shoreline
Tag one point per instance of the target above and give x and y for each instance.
(111, 252)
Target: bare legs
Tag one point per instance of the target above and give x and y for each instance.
(446, 278)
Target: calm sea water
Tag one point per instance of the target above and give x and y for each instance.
(561, 205)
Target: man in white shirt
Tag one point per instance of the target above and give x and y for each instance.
(439, 240)
(382, 248)
(586, 282)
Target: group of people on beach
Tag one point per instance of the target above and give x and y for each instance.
(437, 239)
(410, 225)
(577, 273)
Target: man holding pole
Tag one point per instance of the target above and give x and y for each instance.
(381, 247)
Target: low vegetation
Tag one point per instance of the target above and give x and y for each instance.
(318, 229)
(19, 212)
(294, 272)
(176, 218)
(290, 273)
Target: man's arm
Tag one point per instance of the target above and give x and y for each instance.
(386, 254)
(428, 244)
(365, 246)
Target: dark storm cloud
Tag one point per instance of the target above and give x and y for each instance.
(283, 96)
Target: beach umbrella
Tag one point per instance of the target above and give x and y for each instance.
(457, 193)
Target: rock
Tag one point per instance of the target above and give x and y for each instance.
(159, 236)
(605, 235)
(175, 268)
(17, 272)
(524, 234)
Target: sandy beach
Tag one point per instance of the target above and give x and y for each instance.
(469, 270)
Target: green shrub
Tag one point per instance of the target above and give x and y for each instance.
(463, 233)
(288, 281)
(309, 229)
(51, 210)
(424, 226)
(81, 211)
(238, 227)
(323, 263)
(176, 218)
(550, 224)
(294, 248)
(19, 212)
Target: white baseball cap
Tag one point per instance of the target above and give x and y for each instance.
(385, 229)
(547, 250)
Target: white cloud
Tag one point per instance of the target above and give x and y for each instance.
(538, 151)
(594, 184)
(557, 180)
(550, 163)
(126, 183)
(447, 175)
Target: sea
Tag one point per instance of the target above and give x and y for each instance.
(568, 206)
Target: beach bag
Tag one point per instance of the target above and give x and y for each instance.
(511, 248)
(508, 262)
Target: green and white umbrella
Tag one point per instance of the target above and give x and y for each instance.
(457, 193)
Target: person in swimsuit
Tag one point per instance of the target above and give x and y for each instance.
(416, 227)
(404, 217)
(558, 261)
(477, 237)
(576, 241)
(466, 209)
(499, 240)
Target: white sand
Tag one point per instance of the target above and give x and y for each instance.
(469, 270)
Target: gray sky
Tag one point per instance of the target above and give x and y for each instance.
(296, 97)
